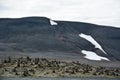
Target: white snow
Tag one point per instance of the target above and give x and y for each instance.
(93, 56)
(53, 22)
(92, 40)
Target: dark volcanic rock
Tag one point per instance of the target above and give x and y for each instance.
(36, 34)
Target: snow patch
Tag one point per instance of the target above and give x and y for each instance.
(93, 56)
(53, 22)
(92, 40)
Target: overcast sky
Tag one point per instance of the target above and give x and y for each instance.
(104, 12)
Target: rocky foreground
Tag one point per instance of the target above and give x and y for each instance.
(41, 67)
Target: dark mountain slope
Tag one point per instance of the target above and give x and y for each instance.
(36, 34)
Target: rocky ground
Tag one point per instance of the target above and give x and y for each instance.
(42, 67)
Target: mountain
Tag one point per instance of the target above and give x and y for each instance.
(41, 36)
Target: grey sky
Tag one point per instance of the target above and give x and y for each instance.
(105, 12)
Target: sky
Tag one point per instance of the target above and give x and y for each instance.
(102, 12)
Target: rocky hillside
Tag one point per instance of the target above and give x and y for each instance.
(40, 35)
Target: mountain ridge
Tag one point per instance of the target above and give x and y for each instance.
(36, 34)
